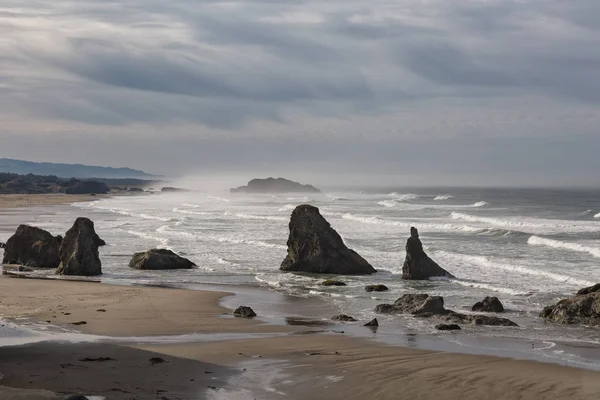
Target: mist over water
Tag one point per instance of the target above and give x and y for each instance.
(527, 247)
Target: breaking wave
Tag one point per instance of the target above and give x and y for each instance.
(387, 203)
(480, 204)
(255, 217)
(178, 210)
(443, 197)
(531, 225)
(557, 244)
(287, 207)
(486, 286)
(162, 240)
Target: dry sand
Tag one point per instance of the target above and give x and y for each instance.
(291, 365)
(31, 200)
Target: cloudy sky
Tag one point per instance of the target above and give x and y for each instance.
(406, 91)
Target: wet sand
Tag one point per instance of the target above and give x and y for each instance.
(29, 200)
(291, 362)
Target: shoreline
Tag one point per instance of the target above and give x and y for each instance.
(178, 319)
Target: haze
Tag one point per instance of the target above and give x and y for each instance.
(406, 92)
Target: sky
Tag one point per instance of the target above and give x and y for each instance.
(407, 92)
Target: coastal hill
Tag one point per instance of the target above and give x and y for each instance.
(80, 171)
(275, 185)
(36, 184)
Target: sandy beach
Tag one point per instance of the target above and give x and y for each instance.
(30, 200)
(290, 361)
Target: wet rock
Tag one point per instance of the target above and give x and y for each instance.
(314, 246)
(376, 288)
(448, 327)
(97, 359)
(157, 360)
(489, 304)
(79, 323)
(452, 316)
(159, 259)
(417, 264)
(343, 318)
(372, 322)
(385, 309)
(32, 247)
(79, 250)
(75, 397)
(332, 282)
(583, 308)
(244, 312)
(2, 245)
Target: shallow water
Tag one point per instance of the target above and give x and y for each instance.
(528, 247)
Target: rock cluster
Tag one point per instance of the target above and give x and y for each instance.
(314, 246)
(583, 308)
(426, 306)
(417, 265)
(489, 304)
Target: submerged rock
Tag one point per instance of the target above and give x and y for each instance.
(33, 247)
(275, 185)
(314, 246)
(372, 322)
(376, 288)
(583, 308)
(158, 259)
(448, 327)
(489, 304)
(244, 312)
(79, 250)
(343, 318)
(426, 306)
(332, 282)
(417, 264)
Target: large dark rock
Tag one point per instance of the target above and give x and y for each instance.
(314, 246)
(376, 288)
(244, 312)
(79, 250)
(489, 304)
(372, 322)
(157, 259)
(583, 308)
(2, 245)
(86, 187)
(448, 327)
(332, 282)
(417, 264)
(426, 306)
(33, 247)
(275, 185)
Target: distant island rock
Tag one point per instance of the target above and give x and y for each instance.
(314, 246)
(275, 185)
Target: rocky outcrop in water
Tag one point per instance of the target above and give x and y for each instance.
(448, 327)
(376, 288)
(275, 185)
(244, 312)
(426, 306)
(583, 308)
(343, 318)
(79, 250)
(332, 282)
(158, 259)
(33, 247)
(417, 264)
(314, 246)
(489, 304)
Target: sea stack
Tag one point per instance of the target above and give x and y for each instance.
(79, 250)
(33, 247)
(417, 264)
(314, 246)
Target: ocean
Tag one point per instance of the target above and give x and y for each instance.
(529, 247)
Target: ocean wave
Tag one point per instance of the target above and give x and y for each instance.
(406, 224)
(128, 213)
(531, 225)
(255, 217)
(222, 200)
(167, 231)
(258, 243)
(387, 203)
(480, 204)
(407, 197)
(443, 197)
(287, 207)
(162, 240)
(487, 286)
(540, 241)
(597, 215)
(180, 211)
(487, 264)
(300, 199)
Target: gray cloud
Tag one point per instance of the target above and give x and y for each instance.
(376, 76)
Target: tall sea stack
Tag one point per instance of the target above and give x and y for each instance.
(417, 264)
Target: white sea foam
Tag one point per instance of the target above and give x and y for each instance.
(531, 225)
(287, 207)
(406, 224)
(180, 211)
(219, 199)
(387, 203)
(128, 213)
(480, 204)
(558, 244)
(255, 217)
(443, 197)
(489, 265)
(407, 197)
(487, 286)
(597, 215)
(258, 243)
(162, 240)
